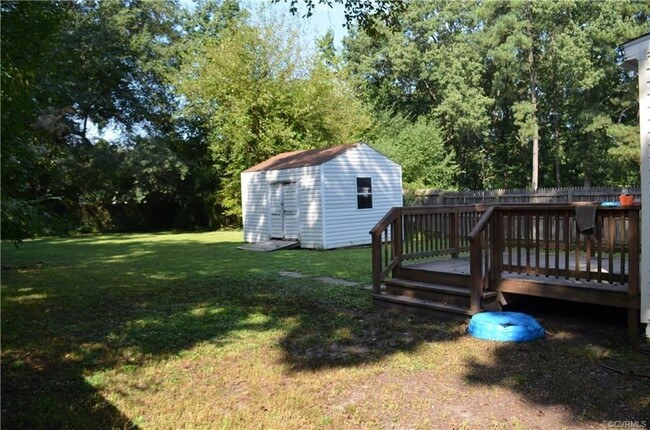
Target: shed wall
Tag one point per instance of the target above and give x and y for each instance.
(345, 224)
(256, 204)
(255, 196)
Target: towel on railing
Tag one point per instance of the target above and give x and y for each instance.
(586, 218)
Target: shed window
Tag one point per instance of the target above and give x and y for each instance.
(364, 193)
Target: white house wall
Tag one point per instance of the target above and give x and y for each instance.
(345, 225)
(644, 120)
(637, 55)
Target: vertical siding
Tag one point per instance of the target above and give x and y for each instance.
(345, 225)
(307, 180)
(275, 214)
(254, 206)
(291, 212)
(310, 204)
(644, 121)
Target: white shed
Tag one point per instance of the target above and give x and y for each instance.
(637, 57)
(325, 198)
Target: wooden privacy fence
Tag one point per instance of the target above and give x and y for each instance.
(542, 195)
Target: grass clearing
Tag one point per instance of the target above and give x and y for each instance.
(185, 331)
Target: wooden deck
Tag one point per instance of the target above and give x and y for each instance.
(598, 280)
(465, 259)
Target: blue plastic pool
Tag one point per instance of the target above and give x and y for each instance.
(505, 327)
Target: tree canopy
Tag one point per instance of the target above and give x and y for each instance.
(526, 93)
(137, 115)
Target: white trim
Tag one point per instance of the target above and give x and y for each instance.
(644, 135)
(268, 211)
(636, 55)
(637, 48)
(357, 194)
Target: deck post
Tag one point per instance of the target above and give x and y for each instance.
(476, 276)
(634, 280)
(454, 236)
(376, 264)
(397, 237)
(496, 247)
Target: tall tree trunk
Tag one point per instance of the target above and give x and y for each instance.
(558, 151)
(533, 101)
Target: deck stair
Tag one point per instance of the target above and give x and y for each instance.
(425, 295)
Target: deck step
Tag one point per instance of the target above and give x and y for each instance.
(433, 277)
(426, 286)
(401, 303)
(444, 294)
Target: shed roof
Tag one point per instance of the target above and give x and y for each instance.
(294, 159)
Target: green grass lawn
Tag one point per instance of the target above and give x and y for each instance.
(185, 331)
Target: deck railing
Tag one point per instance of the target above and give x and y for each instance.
(545, 240)
(413, 233)
(534, 239)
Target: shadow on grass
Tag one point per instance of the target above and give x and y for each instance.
(42, 392)
(51, 344)
(348, 330)
(128, 302)
(121, 302)
(575, 367)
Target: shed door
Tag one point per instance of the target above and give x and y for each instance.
(284, 210)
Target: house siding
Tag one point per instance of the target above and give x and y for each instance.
(637, 55)
(644, 120)
(345, 225)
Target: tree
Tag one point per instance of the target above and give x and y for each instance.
(86, 63)
(430, 68)
(419, 148)
(556, 62)
(260, 95)
(364, 14)
(527, 93)
(25, 92)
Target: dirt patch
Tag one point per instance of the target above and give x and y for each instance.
(324, 279)
(295, 275)
(335, 281)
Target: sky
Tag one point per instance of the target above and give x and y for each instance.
(323, 18)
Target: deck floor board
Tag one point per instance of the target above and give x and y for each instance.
(460, 266)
